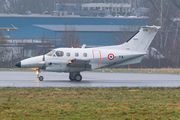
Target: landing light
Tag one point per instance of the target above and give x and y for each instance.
(32, 68)
(69, 61)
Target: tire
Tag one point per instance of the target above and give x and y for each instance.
(41, 78)
(71, 79)
(78, 77)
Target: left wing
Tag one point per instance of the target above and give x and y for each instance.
(79, 63)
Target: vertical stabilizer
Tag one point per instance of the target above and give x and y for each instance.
(142, 40)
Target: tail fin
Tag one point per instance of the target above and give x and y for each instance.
(142, 40)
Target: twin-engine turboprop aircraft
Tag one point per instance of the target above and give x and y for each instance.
(76, 60)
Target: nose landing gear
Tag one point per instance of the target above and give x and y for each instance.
(75, 76)
(41, 78)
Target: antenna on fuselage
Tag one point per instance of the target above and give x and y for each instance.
(83, 46)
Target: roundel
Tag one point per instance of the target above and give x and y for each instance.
(111, 56)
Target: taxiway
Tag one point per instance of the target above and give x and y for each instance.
(90, 79)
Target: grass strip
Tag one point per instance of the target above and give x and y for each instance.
(90, 103)
(147, 70)
(16, 69)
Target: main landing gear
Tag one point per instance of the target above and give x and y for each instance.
(41, 78)
(75, 76)
(72, 76)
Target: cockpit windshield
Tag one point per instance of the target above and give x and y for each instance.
(50, 53)
(59, 53)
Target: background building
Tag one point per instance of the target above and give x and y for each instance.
(92, 9)
(93, 31)
(93, 24)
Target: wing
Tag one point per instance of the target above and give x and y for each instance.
(79, 63)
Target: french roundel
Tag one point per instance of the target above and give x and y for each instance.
(111, 56)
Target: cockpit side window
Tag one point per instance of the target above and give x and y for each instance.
(59, 53)
(50, 53)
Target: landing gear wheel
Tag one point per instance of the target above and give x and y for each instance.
(41, 78)
(75, 76)
(78, 77)
(71, 78)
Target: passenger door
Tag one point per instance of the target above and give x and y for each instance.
(96, 59)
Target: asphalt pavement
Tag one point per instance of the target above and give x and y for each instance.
(90, 79)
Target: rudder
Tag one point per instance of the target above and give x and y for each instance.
(142, 40)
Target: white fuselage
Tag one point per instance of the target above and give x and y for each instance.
(97, 57)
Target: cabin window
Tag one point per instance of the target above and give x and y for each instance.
(76, 54)
(50, 53)
(85, 54)
(59, 53)
(68, 54)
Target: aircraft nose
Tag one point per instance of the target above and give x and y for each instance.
(18, 64)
